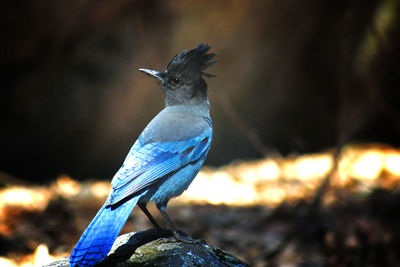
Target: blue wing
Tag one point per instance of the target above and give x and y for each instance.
(146, 163)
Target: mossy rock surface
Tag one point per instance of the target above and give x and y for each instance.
(152, 248)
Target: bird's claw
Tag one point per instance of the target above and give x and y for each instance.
(186, 238)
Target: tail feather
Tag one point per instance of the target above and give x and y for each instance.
(99, 236)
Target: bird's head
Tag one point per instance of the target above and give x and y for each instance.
(183, 81)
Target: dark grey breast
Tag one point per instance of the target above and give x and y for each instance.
(172, 126)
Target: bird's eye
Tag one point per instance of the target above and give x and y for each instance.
(176, 81)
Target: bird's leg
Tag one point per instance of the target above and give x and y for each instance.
(177, 234)
(142, 206)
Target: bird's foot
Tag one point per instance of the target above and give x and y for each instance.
(182, 237)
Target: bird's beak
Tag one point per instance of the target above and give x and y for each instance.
(153, 73)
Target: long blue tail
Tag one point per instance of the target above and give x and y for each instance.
(100, 235)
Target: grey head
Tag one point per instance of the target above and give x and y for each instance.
(182, 81)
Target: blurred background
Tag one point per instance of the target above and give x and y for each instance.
(296, 81)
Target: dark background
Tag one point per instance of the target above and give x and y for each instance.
(292, 77)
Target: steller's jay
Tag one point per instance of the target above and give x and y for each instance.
(164, 159)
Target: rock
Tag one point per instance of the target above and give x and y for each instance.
(152, 248)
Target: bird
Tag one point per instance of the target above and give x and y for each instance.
(163, 161)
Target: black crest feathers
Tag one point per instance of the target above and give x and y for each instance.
(192, 62)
